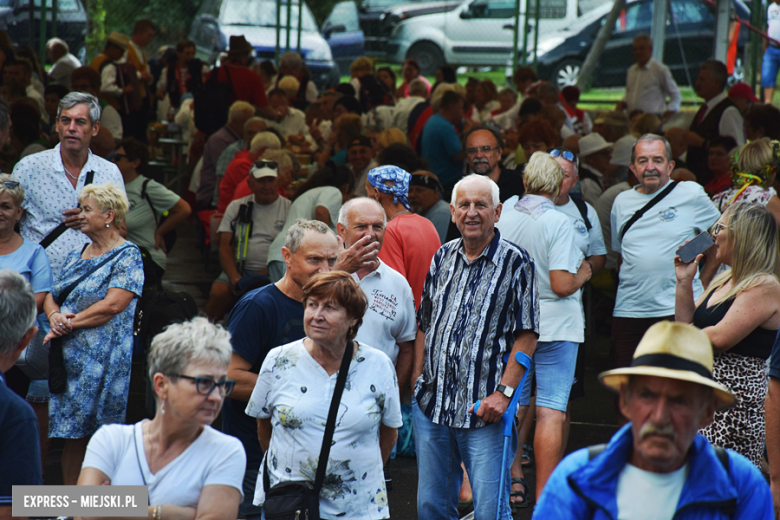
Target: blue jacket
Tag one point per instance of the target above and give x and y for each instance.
(580, 488)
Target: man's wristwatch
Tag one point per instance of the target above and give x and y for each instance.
(506, 390)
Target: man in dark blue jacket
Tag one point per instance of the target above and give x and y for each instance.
(657, 466)
(20, 464)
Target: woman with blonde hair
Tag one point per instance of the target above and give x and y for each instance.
(90, 310)
(752, 174)
(534, 224)
(740, 313)
(388, 137)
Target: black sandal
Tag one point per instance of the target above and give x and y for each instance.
(522, 494)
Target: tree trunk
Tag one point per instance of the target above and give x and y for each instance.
(598, 46)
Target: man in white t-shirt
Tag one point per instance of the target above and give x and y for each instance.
(268, 214)
(647, 247)
(389, 323)
(657, 465)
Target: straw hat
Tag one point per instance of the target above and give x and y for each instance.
(119, 39)
(593, 143)
(676, 351)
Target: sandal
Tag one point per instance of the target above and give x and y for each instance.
(522, 494)
(525, 460)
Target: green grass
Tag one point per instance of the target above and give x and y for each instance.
(593, 99)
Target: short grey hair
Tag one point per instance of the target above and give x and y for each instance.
(17, 193)
(291, 59)
(194, 341)
(649, 138)
(417, 87)
(294, 237)
(81, 98)
(266, 140)
(347, 206)
(17, 310)
(494, 192)
(54, 43)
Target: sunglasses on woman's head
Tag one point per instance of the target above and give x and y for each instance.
(566, 154)
(267, 164)
(10, 184)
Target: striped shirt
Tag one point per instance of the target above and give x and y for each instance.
(470, 313)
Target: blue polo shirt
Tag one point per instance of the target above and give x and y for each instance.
(440, 143)
(20, 463)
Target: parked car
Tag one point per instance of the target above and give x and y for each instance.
(71, 23)
(690, 37)
(217, 20)
(475, 33)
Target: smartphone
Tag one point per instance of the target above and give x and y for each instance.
(695, 247)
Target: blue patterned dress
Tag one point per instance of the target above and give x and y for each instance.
(97, 360)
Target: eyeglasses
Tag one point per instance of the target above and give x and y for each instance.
(267, 164)
(717, 228)
(483, 149)
(566, 154)
(10, 184)
(205, 385)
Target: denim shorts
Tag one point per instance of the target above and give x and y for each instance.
(553, 364)
(770, 67)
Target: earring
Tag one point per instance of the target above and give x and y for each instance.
(162, 408)
(108, 225)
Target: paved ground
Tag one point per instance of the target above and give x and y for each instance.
(593, 418)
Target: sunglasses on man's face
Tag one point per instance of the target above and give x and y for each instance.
(566, 154)
(267, 164)
(10, 184)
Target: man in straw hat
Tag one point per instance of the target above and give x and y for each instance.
(657, 467)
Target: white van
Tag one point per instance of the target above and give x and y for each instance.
(475, 33)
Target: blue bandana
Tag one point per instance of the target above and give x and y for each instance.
(400, 177)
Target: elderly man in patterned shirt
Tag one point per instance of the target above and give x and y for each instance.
(480, 302)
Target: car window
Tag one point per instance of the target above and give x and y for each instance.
(687, 11)
(548, 9)
(375, 4)
(636, 17)
(263, 14)
(210, 7)
(345, 13)
(492, 9)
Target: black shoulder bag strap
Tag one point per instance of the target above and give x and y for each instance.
(60, 299)
(330, 426)
(583, 209)
(55, 233)
(644, 209)
(145, 196)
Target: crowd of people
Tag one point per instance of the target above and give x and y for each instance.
(386, 242)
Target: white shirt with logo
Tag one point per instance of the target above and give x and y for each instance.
(647, 279)
(390, 318)
(589, 242)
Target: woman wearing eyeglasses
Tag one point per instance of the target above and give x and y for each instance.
(740, 313)
(192, 470)
(149, 201)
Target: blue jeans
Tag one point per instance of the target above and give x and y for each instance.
(554, 363)
(770, 66)
(440, 450)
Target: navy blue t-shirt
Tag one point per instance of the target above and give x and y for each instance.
(20, 464)
(774, 360)
(261, 320)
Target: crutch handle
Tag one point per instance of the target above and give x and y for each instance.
(508, 417)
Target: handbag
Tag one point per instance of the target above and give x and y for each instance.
(300, 499)
(34, 359)
(58, 378)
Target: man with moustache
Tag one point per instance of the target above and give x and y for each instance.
(483, 147)
(657, 467)
(647, 246)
